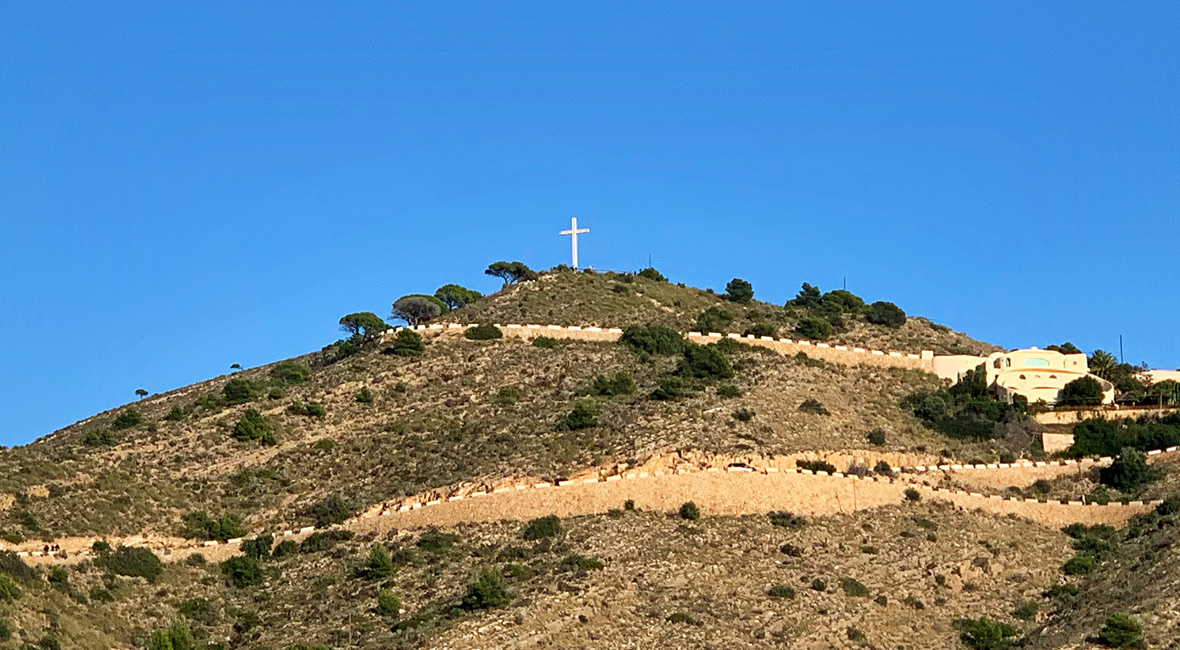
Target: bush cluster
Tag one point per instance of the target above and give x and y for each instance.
(583, 416)
(198, 525)
(967, 410)
(406, 343)
(308, 409)
(253, 426)
(620, 383)
(652, 340)
(132, 562)
(483, 332)
(542, 527)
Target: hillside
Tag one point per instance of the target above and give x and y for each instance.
(314, 440)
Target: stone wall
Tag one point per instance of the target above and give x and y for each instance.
(841, 354)
(1073, 416)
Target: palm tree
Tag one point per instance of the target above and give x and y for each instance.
(1102, 363)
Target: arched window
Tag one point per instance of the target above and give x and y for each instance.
(1023, 377)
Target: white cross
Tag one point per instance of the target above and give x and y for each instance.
(573, 232)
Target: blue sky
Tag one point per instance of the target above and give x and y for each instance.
(188, 185)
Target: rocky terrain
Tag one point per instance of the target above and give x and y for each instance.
(320, 439)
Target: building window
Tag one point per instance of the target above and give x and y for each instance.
(1036, 363)
(1023, 377)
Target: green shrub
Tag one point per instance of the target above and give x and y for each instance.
(1121, 631)
(406, 343)
(885, 313)
(690, 511)
(509, 395)
(324, 541)
(238, 391)
(912, 494)
(324, 444)
(484, 332)
(713, 319)
(253, 426)
(761, 329)
(781, 591)
(669, 388)
(620, 383)
(176, 413)
(132, 561)
(855, 634)
(743, 414)
(1084, 391)
(581, 562)
(388, 604)
(790, 550)
(704, 362)
(784, 519)
(199, 610)
(818, 584)
(1129, 471)
(198, 525)
(1080, 565)
(728, 391)
(651, 274)
(5, 630)
(126, 419)
(100, 595)
(364, 396)
(1026, 611)
(175, 637)
(876, 437)
(813, 406)
(684, 618)
(331, 510)
(242, 571)
(290, 373)
(814, 329)
(985, 634)
(654, 340)
(740, 291)
(101, 437)
(546, 342)
(816, 466)
(583, 416)
(883, 468)
(286, 548)
(9, 591)
(59, 577)
(853, 588)
(259, 547)
(379, 565)
(488, 591)
(437, 542)
(547, 526)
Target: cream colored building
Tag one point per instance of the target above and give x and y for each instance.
(1156, 376)
(1036, 374)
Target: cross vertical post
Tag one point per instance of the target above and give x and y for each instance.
(573, 232)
